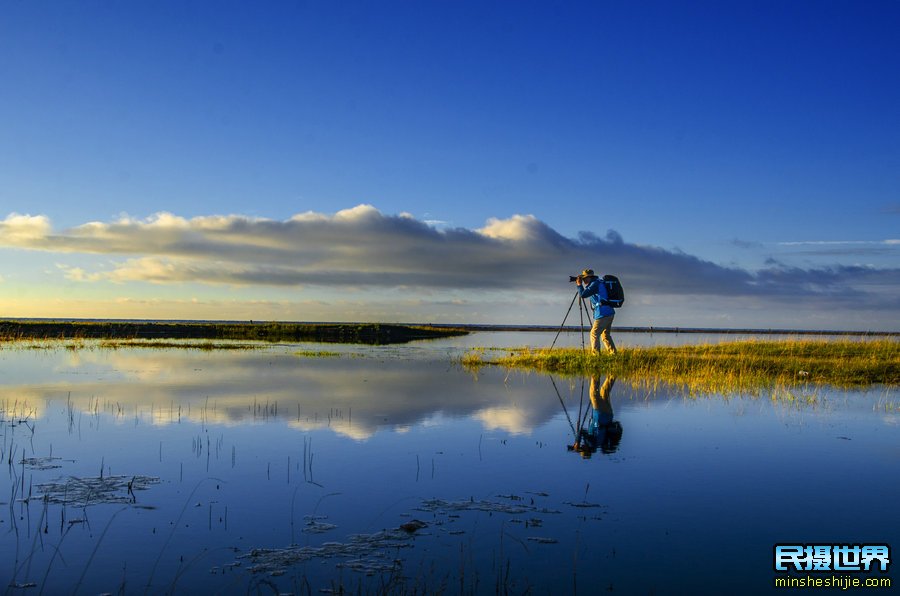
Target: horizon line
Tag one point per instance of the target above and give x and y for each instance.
(478, 326)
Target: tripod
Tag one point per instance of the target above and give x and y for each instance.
(582, 311)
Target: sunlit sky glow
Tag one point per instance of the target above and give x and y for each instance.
(735, 164)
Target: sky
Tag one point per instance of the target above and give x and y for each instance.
(735, 164)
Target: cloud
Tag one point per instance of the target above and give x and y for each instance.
(747, 244)
(75, 273)
(361, 248)
(888, 242)
(843, 248)
(23, 229)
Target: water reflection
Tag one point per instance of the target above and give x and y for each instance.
(228, 472)
(598, 429)
(353, 395)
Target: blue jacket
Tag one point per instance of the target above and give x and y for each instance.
(596, 291)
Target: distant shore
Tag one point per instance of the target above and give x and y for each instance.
(362, 333)
(11, 328)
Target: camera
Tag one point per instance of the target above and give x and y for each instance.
(573, 278)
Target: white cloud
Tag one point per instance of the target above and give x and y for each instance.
(516, 228)
(361, 247)
(23, 229)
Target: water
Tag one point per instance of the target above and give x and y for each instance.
(265, 471)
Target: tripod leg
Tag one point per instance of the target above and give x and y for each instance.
(581, 316)
(589, 317)
(575, 297)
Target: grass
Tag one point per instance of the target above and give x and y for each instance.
(725, 367)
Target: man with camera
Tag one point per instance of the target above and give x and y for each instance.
(590, 286)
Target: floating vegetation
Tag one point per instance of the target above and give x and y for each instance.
(534, 522)
(95, 490)
(43, 463)
(583, 505)
(365, 553)
(440, 506)
(413, 526)
(315, 526)
(368, 553)
(541, 540)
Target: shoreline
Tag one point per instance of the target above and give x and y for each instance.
(358, 333)
(442, 329)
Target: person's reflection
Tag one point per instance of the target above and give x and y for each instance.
(602, 432)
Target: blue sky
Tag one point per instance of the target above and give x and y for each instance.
(735, 164)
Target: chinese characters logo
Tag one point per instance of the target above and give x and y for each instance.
(832, 557)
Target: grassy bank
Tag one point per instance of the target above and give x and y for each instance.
(362, 333)
(721, 367)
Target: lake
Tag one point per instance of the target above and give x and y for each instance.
(311, 468)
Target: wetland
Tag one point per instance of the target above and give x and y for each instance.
(309, 467)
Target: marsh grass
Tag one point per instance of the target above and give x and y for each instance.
(723, 368)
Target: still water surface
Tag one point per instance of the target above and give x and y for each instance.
(185, 471)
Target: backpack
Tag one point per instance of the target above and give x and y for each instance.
(614, 291)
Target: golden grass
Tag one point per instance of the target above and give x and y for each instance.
(726, 367)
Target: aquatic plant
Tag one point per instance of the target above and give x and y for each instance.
(443, 506)
(366, 553)
(95, 490)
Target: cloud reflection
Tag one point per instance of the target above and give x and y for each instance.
(352, 397)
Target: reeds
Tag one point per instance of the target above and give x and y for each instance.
(725, 367)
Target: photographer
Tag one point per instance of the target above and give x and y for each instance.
(590, 286)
